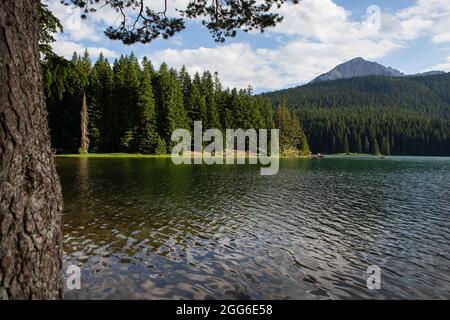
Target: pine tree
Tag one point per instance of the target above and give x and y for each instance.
(132, 111)
(191, 97)
(359, 147)
(385, 147)
(374, 147)
(161, 147)
(366, 145)
(208, 91)
(83, 67)
(292, 137)
(101, 112)
(146, 135)
(197, 107)
(84, 144)
(346, 148)
(169, 102)
(126, 82)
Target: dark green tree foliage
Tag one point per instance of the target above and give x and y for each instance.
(127, 74)
(48, 26)
(169, 98)
(133, 108)
(208, 91)
(65, 83)
(146, 136)
(83, 67)
(102, 114)
(429, 95)
(292, 138)
(197, 101)
(399, 116)
(381, 130)
(222, 18)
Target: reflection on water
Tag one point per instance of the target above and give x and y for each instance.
(147, 229)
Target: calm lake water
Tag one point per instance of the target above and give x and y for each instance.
(147, 229)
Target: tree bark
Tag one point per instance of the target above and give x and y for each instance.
(30, 193)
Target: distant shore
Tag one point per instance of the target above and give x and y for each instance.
(197, 154)
(140, 155)
(110, 155)
(355, 154)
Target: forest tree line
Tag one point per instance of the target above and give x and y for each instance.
(398, 116)
(132, 107)
(375, 131)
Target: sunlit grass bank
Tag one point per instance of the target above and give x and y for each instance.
(111, 155)
(139, 155)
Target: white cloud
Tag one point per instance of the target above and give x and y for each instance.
(441, 38)
(427, 18)
(296, 62)
(314, 36)
(92, 28)
(66, 49)
(74, 27)
(442, 66)
(321, 36)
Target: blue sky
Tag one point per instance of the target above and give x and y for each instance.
(315, 35)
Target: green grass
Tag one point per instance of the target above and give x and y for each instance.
(112, 155)
(139, 155)
(357, 154)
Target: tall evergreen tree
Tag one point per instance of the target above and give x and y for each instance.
(102, 114)
(292, 138)
(385, 147)
(146, 135)
(169, 102)
(374, 147)
(208, 91)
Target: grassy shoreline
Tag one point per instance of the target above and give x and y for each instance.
(139, 155)
(355, 154)
(110, 155)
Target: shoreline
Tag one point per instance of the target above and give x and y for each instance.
(139, 155)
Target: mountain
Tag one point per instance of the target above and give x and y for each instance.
(428, 73)
(358, 67)
(425, 94)
(404, 115)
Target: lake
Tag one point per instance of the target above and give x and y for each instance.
(143, 228)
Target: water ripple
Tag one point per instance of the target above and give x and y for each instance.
(146, 229)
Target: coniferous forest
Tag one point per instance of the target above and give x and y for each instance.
(133, 107)
(398, 116)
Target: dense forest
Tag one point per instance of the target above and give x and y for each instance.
(399, 116)
(131, 107)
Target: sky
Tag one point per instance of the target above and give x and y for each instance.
(315, 35)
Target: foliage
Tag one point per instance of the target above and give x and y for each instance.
(133, 108)
(140, 23)
(400, 116)
(48, 25)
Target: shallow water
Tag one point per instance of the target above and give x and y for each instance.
(147, 229)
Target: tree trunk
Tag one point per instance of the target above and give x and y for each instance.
(30, 193)
(84, 145)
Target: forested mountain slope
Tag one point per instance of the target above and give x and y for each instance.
(428, 94)
(391, 115)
